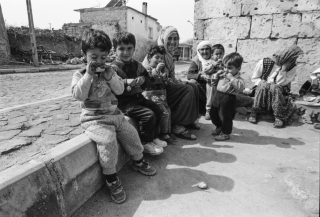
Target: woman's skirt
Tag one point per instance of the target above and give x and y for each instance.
(183, 102)
(269, 98)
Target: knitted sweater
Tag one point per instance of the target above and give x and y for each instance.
(96, 92)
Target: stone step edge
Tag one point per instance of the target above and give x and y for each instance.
(56, 184)
(44, 69)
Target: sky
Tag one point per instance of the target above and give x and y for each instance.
(55, 13)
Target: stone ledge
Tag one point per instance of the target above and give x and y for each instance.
(56, 184)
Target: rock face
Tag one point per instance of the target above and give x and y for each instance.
(256, 29)
(4, 45)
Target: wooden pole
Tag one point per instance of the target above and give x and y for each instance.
(32, 35)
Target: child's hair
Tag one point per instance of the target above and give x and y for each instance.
(125, 38)
(154, 49)
(233, 59)
(92, 39)
(217, 46)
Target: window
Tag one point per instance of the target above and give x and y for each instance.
(150, 33)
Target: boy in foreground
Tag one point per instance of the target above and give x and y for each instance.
(96, 86)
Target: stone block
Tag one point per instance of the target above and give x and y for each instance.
(77, 168)
(307, 5)
(261, 26)
(263, 7)
(310, 25)
(206, 9)
(6, 71)
(311, 51)
(28, 190)
(234, 28)
(255, 49)
(199, 29)
(286, 25)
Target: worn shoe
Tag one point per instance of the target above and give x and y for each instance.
(217, 131)
(278, 123)
(160, 143)
(253, 119)
(174, 137)
(167, 139)
(207, 116)
(222, 137)
(151, 148)
(118, 195)
(186, 135)
(144, 168)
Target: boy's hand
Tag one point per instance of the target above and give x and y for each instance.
(160, 66)
(131, 82)
(109, 71)
(90, 68)
(229, 76)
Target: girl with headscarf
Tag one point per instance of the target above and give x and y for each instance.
(273, 77)
(181, 98)
(202, 67)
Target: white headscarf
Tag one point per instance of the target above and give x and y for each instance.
(204, 62)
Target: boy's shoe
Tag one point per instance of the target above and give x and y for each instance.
(222, 137)
(207, 116)
(186, 135)
(217, 131)
(118, 195)
(144, 168)
(167, 139)
(160, 143)
(151, 148)
(174, 137)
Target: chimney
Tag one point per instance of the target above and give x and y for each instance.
(145, 8)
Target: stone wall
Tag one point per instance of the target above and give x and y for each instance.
(4, 45)
(256, 29)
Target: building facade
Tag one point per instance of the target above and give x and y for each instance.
(256, 29)
(119, 18)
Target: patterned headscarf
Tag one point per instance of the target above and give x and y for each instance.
(287, 56)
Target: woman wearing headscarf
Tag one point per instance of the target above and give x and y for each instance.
(181, 98)
(202, 67)
(273, 77)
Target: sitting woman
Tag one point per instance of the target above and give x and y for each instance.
(273, 77)
(182, 99)
(207, 62)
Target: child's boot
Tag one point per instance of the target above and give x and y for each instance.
(118, 195)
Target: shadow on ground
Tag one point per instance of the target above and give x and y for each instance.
(178, 173)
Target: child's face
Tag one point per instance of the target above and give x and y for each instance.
(231, 69)
(173, 42)
(217, 54)
(205, 52)
(125, 51)
(97, 55)
(156, 59)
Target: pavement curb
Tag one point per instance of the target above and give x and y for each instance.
(44, 69)
(56, 184)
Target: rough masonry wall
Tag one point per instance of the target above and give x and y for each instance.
(258, 28)
(4, 44)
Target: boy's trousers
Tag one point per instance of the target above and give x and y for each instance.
(223, 111)
(107, 131)
(145, 112)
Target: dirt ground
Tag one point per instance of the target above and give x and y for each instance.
(261, 171)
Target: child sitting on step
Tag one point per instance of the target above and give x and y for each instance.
(96, 86)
